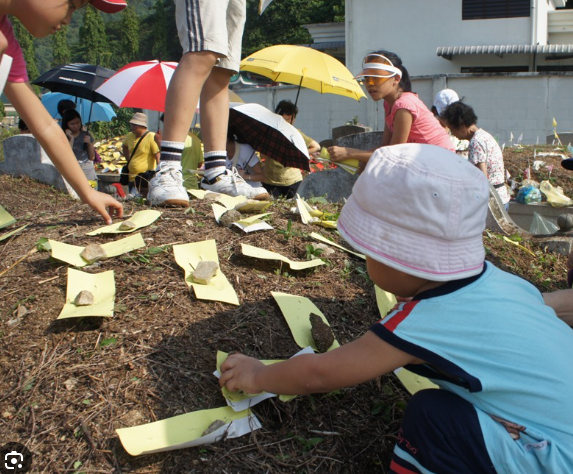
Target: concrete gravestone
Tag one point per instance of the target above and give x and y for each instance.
(23, 156)
(336, 184)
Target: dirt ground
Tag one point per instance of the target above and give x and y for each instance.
(65, 386)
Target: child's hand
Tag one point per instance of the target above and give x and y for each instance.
(338, 153)
(104, 205)
(87, 139)
(69, 133)
(239, 372)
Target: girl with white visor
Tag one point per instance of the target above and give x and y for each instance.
(407, 119)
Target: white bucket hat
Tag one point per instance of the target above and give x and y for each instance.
(139, 118)
(444, 98)
(419, 209)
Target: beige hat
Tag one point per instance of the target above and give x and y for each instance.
(139, 118)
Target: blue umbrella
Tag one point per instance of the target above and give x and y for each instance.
(96, 112)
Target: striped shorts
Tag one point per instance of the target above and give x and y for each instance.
(212, 25)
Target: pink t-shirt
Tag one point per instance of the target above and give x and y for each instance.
(425, 127)
(18, 72)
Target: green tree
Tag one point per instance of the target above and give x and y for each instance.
(93, 39)
(27, 44)
(61, 48)
(282, 21)
(129, 35)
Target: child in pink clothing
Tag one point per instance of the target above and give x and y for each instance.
(407, 119)
(42, 18)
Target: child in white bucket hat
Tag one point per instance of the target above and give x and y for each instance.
(501, 358)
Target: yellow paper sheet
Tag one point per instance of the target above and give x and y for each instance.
(101, 285)
(385, 301)
(71, 253)
(230, 201)
(178, 432)
(296, 310)
(255, 252)
(303, 210)
(218, 211)
(413, 382)
(5, 218)
(254, 223)
(140, 219)
(316, 236)
(252, 206)
(350, 165)
(188, 257)
(519, 245)
(7, 235)
(237, 397)
(197, 193)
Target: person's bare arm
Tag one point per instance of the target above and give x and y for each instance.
(483, 167)
(157, 157)
(55, 143)
(562, 302)
(256, 173)
(341, 153)
(351, 364)
(386, 136)
(402, 126)
(313, 147)
(90, 146)
(125, 151)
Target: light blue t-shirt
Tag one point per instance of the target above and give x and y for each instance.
(491, 340)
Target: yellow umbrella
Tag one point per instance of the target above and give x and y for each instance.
(305, 67)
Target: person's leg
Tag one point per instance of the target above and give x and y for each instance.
(440, 433)
(292, 190)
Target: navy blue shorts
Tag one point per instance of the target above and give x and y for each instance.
(440, 434)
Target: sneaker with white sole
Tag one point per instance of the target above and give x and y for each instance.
(231, 183)
(166, 187)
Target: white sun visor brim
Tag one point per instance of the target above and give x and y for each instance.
(373, 70)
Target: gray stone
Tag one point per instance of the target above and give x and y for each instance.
(23, 156)
(93, 252)
(213, 427)
(565, 137)
(84, 298)
(336, 184)
(204, 272)
(229, 217)
(127, 225)
(344, 130)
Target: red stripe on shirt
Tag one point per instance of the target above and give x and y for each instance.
(394, 467)
(392, 324)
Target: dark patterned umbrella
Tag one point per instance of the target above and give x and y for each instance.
(270, 134)
(79, 80)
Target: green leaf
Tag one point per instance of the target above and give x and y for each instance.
(77, 464)
(87, 402)
(108, 342)
(43, 245)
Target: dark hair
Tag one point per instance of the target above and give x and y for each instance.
(68, 116)
(405, 83)
(65, 104)
(286, 107)
(234, 135)
(458, 114)
(22, 125)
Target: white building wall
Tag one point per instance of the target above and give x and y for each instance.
(413, 29)
(519, 104)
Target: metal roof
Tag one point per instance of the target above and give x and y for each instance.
(328, 45)
(500, 49)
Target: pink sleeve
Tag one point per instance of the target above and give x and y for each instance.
(18, 73)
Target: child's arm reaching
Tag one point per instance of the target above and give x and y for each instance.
(53, 140)
(351, 364)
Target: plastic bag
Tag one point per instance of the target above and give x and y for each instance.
(542, 226)
(555, 196)
(528, 195)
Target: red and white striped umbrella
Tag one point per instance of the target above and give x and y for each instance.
(141, 85)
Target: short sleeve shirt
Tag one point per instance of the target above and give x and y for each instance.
(245, 158)
(144, 158)
(18, 71)
(484, 149)
(491, 340)
(78, 147)
(425, 127)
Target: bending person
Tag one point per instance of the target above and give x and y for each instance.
(483, 150)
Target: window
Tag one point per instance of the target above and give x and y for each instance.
(487, 9)
(486, 69)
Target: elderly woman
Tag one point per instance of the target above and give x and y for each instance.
(483, 150)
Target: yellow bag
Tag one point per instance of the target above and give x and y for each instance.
(554, 196)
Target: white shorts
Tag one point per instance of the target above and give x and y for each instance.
(212, 25)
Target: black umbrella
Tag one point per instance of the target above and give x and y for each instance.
(80, 80)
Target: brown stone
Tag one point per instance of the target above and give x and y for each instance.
(321, 333)
(93, 252)
(205, 271)
(84, 298)
(127, 225)
(227, 219)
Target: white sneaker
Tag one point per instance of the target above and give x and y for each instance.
(166, 187)
(231, 183)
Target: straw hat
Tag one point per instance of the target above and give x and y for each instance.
(139, 118)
